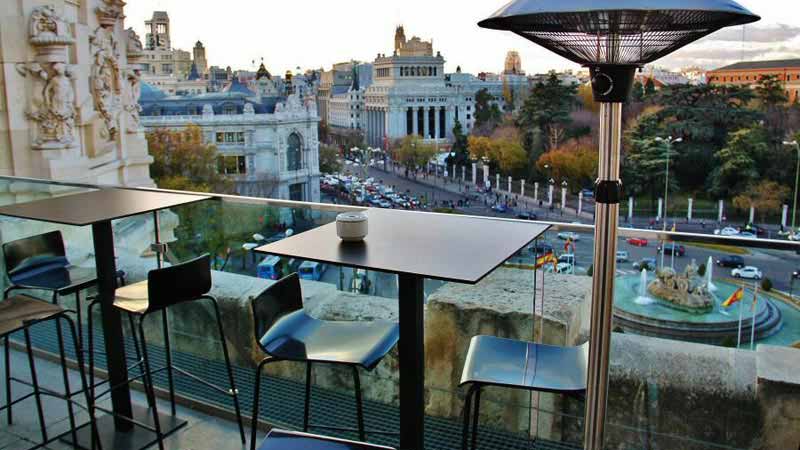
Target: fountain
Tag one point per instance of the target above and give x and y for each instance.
(684, 292)
(710, 286)
(643, 298)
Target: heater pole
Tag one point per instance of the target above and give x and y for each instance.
(605, 249)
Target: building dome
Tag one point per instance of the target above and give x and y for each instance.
(263, 73)
(150, 93)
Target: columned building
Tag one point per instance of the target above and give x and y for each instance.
(409, 96)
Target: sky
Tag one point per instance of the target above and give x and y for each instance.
(318, 33)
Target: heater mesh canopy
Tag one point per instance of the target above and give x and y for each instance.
(618, 32)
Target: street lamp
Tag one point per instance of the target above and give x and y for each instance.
(668, 142)
(796, 145)
(613, 39)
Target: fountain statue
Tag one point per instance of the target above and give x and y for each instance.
(684, 292)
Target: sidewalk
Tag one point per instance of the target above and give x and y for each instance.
(455, 186)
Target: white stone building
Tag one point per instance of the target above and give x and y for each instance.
(69, 92)
(409, 95)
(269, 146)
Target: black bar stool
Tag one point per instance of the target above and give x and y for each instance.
(286, 333)
(493, 361)
(289, 440)
(20, 313)
(170, 286)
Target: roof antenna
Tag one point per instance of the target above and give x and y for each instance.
(744, 38)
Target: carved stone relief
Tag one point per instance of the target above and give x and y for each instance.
(106, 79)
(54, 109)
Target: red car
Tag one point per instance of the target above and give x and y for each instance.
(638, 242)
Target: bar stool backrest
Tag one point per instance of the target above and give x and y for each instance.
(282, 298)
(34, 255)
(180, 283)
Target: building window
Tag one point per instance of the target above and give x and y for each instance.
(232, 165)
(229, 110)
(166, 68)
(236, 137)
(294, 153)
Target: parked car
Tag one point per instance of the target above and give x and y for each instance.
(587, 193)
(731, 261)
(638, 242)
(755, 229)
(569, 236)
(500, 207)
(565, 268)
(748, 272)
(727, 231)
(648, 264)
(622, 256)
(669, 248)
(311, 270)
(567, 258)
(747, 235)
(527, 216)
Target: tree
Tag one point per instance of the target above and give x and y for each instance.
(460, 147)
(575, 162)
(649, 88)
(637, 94)
(705, 117)
(586, 95)
(503, 150)
(183, 161)
(736, 166)
(547, 109)
(329, 159)
(413, 152)
(487, 114)
(766, 196)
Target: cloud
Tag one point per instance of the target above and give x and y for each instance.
(726, 47)
(770, 33)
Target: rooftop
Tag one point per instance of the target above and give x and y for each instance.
(763, 65)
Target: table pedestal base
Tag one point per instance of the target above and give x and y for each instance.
(136, 439)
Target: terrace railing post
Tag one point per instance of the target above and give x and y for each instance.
(605, 249)
(412, 362)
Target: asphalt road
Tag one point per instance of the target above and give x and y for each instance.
(776, 265)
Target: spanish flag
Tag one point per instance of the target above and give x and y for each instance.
(549, 258)
(736, 297)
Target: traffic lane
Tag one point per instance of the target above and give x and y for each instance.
(402, 184)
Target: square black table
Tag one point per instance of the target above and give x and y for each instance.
(98, 208)
(415, 246)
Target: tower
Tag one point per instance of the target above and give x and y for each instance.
(399, 38)
(158, 31)
(513, 64)
(199, 56)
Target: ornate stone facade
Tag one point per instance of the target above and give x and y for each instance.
(69, 84)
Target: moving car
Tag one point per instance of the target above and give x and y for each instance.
(638, 242)
(541, 248)
(731, 261)
(269, 268)
(622, 256)
(587, 193)
(749, 272)
(648, 264)
(527, 216)
(669, 248)
(569, 236)
(747, 235)
(727, 231)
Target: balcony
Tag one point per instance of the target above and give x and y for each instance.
(678, 378)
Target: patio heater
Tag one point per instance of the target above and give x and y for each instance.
(613, 38)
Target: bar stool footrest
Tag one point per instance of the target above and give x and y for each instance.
(137, 438)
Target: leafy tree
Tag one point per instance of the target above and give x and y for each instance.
(460, 147)
(547, 109)
(503, 150)
(586, 96)
(637, 94)
(705, 117)
(649, 88)
(183, 161)
(766, 196)
(771, 92)
(487, 114)
(413, 152)
(329, 159)
(736, 166)
(574, 162)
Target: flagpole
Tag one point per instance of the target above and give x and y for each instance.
(739, 334)
(753, 331)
